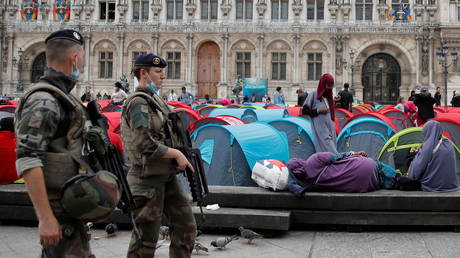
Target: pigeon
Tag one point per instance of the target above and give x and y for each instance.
(249, 234)
(221, 242)
(88, 227)
(200, 247)
(111, 229)
(164, 232)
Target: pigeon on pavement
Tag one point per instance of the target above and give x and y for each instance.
(249, 234)
(164, 232)
(221, 242)
(111, 229)
(200, 247)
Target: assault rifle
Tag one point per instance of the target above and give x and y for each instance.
(197, 180)
(108, 158)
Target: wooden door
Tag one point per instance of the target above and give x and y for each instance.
(208, 69)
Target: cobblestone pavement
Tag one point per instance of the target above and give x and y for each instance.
(18, 241)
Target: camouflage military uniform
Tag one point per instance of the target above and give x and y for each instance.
(153, 181)
(42, 119)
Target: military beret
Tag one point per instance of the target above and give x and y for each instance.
(149, 60)
(71, 35)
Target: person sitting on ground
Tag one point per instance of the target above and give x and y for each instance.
(434, 164)
(351, 172)
(7, 151)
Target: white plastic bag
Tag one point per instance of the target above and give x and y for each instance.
(271, 174)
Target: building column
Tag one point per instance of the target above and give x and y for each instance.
(222, 88)
(297, 68)
(260, 50)
(189, 72)
(10, 71)
(121, 47)
(88, 55)
(155, 39)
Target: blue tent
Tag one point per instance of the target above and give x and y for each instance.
(364, 134)
(299, 135)
(265, 115)
(229, 152)
(239, 113)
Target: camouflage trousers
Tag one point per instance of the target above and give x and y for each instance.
(74, 242)
(158, 196)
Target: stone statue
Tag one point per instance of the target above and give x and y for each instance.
(124, 82)
(20, 87)
(238, 87)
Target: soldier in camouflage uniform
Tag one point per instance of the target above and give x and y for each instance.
(48, 115)
(149, 143)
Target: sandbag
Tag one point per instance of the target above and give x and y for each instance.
(272, 174)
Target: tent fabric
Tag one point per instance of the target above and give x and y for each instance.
(252, 106)
(239, 148)
(397, 149)
(177, 104)
(400, 147)
(364, 134)
(374, 115)
(238, 113)
(103, 103)
(399, 118)
(358, 110)
(8, 108)
(220, 120)
(270, 114)
(299, 135)
(295, 111)
(111, 108)
(114, 120)
(450, 123)
(7, 157)
(204, 111)
(207, 150)
(341, 117)
(274, 106)
(188, 116)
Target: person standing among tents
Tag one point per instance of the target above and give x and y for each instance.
(278, 97)
(301, 97)
(455, 100)
(321, 108)
(186, 97)
(346, 98)
(437, 96)
(434, 164)
(424, 102)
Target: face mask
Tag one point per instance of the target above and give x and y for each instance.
(152, 87)
(76, 73)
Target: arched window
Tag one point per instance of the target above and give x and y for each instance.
(38, 67)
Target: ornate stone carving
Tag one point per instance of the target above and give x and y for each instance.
(190, 7)
(346, 8)
(261, 7)
(156, 8)
(297, 7)
(333, 9)
(76, 10)
(225, 7)
(419, 9)
(424, 41)
(432, 8)
(122, 9)
(11, 9)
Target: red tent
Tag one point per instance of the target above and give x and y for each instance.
(114, 120)
(112, 108)
(341, 117)
(7, 157)
(376, 115)
(8, 108)
(178, 104)
(450, 123)
(103, 103)
(220, 120)
(295, 111)
(358, 110)
(399, 118)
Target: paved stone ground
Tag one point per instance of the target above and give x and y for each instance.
(17, 241)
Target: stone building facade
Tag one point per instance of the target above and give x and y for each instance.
(382, 48)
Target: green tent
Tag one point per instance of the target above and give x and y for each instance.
(398, 150)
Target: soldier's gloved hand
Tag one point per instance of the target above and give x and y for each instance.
(49, 230)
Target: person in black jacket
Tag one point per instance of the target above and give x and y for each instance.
(437, 96)
(412, 95)
(346, 98)
(301, 97)
(455, 100)
(424, 102)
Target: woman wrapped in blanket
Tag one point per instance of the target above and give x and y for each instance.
(434, 164)
(351, 172)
